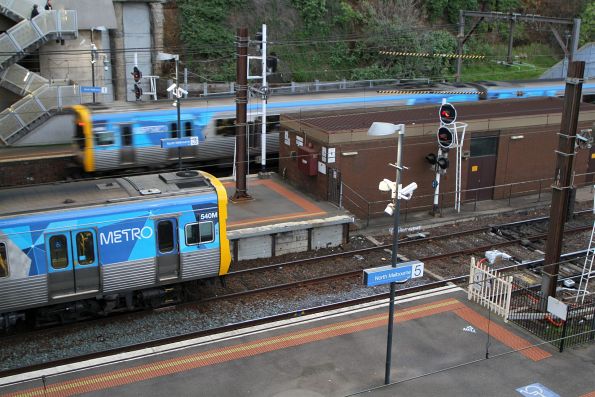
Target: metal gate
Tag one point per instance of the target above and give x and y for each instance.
(335, 190)
(490, 288)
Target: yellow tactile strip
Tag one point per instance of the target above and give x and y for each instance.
(310, 209)
(215, 356)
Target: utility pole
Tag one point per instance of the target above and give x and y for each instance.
(241, 193)
(264, 94)
(562, 187)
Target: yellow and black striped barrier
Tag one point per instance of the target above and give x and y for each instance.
(428, 54)
(406, 92)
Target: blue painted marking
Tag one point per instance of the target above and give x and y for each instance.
(168, 143)
(90, 90)
(388, 274)
(536, 390)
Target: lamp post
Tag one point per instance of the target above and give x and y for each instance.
(177, 92)
(385, 129)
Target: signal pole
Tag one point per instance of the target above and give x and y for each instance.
(241, 193)
(562, 178)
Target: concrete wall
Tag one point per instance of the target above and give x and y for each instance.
(71, 63)
(136, 24)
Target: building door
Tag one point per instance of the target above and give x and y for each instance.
(590, 177)
(334, 186)
(73, 266)
(168, 251)
(481, 175)
(127, 149)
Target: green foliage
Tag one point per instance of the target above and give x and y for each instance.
(588, 24)
(206, 34)
(346, 16)
(313, 14)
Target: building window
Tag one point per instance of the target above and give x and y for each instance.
(3, 261)
(165, 236)
(59, 251)
(85, 248)
(199, 233)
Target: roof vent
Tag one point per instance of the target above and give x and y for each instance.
(146, 192)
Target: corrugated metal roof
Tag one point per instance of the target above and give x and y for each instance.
(335, 122)
(586, 53)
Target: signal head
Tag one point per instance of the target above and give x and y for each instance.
(447, 113)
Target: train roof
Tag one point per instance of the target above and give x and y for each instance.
(88, 193)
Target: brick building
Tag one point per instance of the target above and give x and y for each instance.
(508, 149)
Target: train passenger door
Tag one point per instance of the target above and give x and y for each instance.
(72, 263)
(172, 153)
(127, 148)
(168, 249)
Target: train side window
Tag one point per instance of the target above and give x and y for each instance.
(199, 233)
(104, 138)
(59, 251)
(225, 127)
(165, 236)
(85, 248)
(126, 135)
(174, 130)
(3, 261)
(188, 128)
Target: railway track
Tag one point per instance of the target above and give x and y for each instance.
(343, 278)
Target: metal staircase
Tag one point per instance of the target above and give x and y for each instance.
(41, 98)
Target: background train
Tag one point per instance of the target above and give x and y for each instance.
(86, 248)
(110, 140)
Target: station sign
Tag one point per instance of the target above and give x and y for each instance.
(170, 143)
(388, 274)
(92, 90)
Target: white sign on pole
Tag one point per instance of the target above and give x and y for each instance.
(557, 308)
(299, 140)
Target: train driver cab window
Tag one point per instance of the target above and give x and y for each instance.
(188, 128)
(3, 261)
(199, 233)
(59, 251)
(85, 248)
(165, 236)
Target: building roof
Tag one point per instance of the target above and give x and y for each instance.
(333, 122)
(586, 53)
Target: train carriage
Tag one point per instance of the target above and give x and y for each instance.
(96, 246)
(131, 138)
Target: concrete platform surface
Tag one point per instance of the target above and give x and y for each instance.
(443, 346)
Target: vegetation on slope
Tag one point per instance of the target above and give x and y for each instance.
(341, 39)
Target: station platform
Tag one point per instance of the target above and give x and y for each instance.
(442, 345)
(279, 219)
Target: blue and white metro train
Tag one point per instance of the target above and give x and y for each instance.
(86, 248)
(132, 138)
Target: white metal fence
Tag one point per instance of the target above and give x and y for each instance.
(489, 288)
